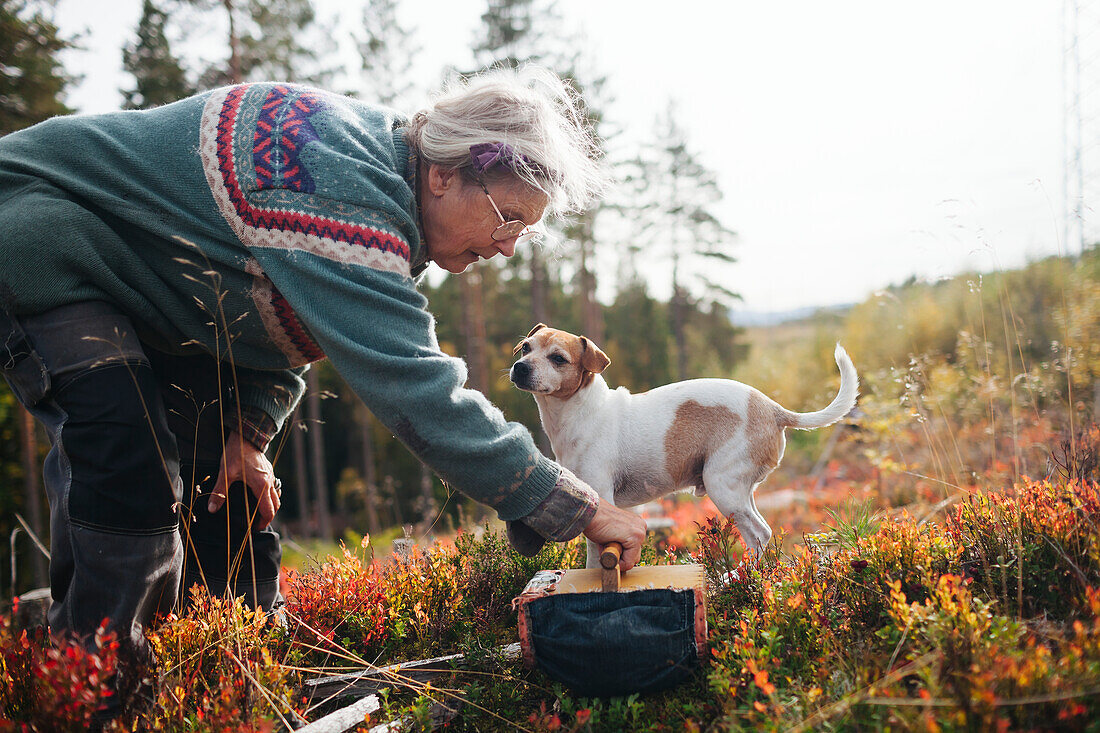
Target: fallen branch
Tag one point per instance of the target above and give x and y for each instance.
(372, 680)
(344, 718)
(353, 715)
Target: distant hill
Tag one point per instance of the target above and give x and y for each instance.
(750, 319)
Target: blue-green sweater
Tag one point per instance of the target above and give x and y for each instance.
(268, 223)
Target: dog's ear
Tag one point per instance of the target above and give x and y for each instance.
(515, 351)
(592, 359)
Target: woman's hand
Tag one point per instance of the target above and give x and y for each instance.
(611, 524)
(242, 461)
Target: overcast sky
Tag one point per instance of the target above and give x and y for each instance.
(857, 143)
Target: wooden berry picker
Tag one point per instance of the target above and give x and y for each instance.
(604, 635)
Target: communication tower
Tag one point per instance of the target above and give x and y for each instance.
(1081, 123)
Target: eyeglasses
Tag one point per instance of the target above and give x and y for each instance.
(509, 227)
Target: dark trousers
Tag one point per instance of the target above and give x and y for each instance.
(136, 440)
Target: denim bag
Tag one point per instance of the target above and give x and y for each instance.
(638, 640)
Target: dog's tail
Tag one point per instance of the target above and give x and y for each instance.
(841, 405)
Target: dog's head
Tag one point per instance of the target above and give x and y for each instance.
(555, 363)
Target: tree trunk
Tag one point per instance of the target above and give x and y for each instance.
(298, 444)
(317, 448)
(473, 329)
(592, 314)
(539, 310)
(427, 497)
(32, 492)
(370, 477)
(677, 306)
(235, 75)
(395, 503)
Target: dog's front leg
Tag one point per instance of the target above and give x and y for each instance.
(595, 475)
(593, 560)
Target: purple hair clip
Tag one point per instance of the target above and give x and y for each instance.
(489, 155)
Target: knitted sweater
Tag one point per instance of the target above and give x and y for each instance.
(273, 225)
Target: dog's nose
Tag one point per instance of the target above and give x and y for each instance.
(520, 371)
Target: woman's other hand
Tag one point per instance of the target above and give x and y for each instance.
(242, 461)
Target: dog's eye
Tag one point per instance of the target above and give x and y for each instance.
(559, 359)
(525, 349)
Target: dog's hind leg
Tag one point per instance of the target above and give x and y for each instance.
(754, 528)
(734, 498)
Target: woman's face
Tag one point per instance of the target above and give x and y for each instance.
(459, 221)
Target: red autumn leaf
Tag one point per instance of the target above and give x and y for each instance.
(761, 680)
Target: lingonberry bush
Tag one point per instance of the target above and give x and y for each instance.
(983, 616)
(919, 625)
(338, 609)
(54, 687)
(217, 670)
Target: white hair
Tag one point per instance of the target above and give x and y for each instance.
(529, 109)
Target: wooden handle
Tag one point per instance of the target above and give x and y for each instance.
(609, 560)
(610, 555)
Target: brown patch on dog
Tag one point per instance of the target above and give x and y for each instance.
(593, 362)
(530, 333)
(696, 432)
(763, 432)
(592, 358)
(573, 373)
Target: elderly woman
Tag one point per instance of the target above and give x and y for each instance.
(166, 276)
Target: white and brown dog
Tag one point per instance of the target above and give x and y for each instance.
(720, 436)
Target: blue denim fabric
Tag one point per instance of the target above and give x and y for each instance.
(610, 644)
(119, 416)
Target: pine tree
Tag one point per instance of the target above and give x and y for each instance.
(386, 49)
(639, 340)
(518, 31)
(269, 40)
(579, 230)
(32, 78)
(283, 43)
(673, 194)
(230, 71)
(522, 31)
(159, 76)
(512, 36)
(505, 23)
